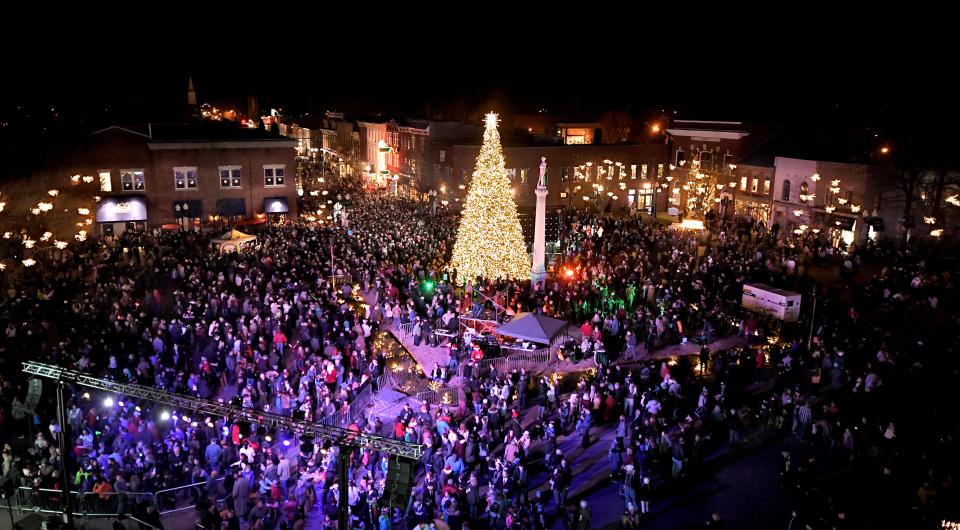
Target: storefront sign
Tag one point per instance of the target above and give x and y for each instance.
(122, 209)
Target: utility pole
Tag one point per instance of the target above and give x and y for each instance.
(66, 502)
(333, 271)
(813, 318)
(344, 511)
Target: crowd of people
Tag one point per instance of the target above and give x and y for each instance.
(275, 327)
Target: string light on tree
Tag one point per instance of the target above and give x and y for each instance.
(490, 241)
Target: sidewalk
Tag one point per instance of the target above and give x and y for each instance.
(425, 355)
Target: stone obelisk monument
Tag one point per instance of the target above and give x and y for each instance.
(538, 272)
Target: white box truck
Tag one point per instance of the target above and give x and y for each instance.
(770, 301)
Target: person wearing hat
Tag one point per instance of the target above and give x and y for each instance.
(644, 492)
(584, 517)
(560, 483)
(473, 497)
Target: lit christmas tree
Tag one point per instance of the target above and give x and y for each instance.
(490, 241)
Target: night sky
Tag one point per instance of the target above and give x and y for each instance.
(867, 83)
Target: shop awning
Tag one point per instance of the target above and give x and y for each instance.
(192, 208)
(231, 207)
(124, 209)
(276, 205)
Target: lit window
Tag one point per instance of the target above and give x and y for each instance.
(659, 170)
(273, 176)
(523, 175)
(766, 186)
(185, 178)
(643, 171)
(706, 160)
(229, 177)
(679, 157)
(105, 184)
(755, 185)
(743, 183)
(727, 160)
(633, 171)
(132, 179)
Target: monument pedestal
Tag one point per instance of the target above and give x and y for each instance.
(538, 273)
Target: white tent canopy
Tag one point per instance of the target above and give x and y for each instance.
(232, 240)
(533, 327)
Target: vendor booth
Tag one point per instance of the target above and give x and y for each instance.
(233, 241)
(533, 328)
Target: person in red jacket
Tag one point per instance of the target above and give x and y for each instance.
(280, 340)
(476, 354)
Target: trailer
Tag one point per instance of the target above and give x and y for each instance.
(777, 303)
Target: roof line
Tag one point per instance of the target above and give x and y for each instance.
(710, 121)
(119, 128)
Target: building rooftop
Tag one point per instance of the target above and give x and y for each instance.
(208, 132)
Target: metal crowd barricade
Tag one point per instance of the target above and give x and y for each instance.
(444, 396)
(42, 501)
(106, 504)
(404, 329)
(88, 504)
(361, 400)
(172, 500)
(533, 361)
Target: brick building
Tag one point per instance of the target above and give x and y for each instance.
(835, 197)
(187, 175)
(619, 176)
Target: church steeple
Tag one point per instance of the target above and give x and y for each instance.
(191, 93)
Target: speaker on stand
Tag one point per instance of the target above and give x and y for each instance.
(399, 484)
